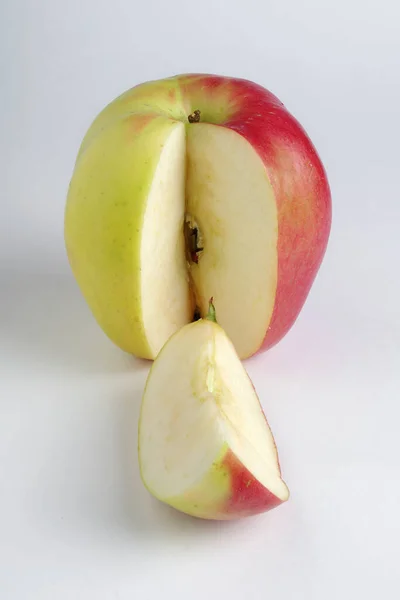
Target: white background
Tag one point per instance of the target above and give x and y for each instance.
(75, 520)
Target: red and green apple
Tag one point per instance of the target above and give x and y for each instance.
(191, 187)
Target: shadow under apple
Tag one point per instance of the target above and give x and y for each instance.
(45, 324)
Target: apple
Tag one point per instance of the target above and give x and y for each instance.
(191, 187)
(205, 446)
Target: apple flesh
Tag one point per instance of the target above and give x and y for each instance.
(205, 447)
(191, 187)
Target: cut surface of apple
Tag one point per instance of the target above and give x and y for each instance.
(232, 201)
(166, 297)
(191, 187)
(205, 447)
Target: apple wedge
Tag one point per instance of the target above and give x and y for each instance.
(205, 447)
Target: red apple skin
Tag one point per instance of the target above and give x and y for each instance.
(248, 496)
(298, 179)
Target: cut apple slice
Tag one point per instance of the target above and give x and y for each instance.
(205, 447)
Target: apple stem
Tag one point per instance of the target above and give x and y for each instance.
(211, 315)
(194, 117)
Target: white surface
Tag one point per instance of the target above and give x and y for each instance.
(75, 521)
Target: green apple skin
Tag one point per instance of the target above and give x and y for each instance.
(103, 221)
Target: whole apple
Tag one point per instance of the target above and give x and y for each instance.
(191, 187)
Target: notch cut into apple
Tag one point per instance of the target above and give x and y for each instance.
(219, 213)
